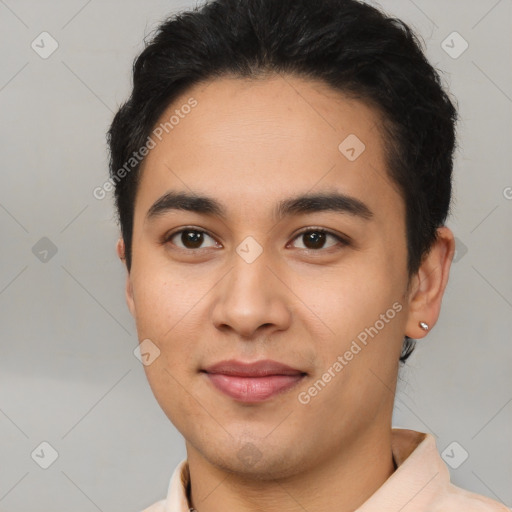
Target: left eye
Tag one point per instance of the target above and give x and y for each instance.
(314, 239)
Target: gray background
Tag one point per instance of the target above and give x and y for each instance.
(68, 375)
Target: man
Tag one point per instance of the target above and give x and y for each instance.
(283, 175)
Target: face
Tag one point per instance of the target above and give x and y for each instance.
(252, 275)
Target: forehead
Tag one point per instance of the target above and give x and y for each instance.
(252, 142)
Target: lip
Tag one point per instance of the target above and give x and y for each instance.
(260, 368)
(253, 382)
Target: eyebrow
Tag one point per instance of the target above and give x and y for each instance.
(302, 204)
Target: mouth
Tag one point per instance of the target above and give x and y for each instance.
(253, 382)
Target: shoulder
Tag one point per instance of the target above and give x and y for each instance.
(456, 498)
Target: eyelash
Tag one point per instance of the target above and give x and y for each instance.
(344, 242)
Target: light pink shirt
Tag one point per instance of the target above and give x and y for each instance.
(421, 483)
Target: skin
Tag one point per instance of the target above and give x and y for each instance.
(250, 144)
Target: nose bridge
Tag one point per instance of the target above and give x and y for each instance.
(250, 295)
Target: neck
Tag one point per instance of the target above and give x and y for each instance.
(342, 481)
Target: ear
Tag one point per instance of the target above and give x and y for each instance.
(429, 283)
(120, 249)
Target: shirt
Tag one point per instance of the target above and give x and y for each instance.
(421, 483)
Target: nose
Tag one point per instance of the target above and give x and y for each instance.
(251, 300)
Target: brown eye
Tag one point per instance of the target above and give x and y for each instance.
(190, 239)
(315, 239)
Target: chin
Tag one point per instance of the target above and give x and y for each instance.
(256, 461)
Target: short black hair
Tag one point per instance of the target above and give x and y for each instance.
(353, 47)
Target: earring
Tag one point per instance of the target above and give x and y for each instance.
(424, 326)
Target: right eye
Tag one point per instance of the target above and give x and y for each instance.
(190, 238)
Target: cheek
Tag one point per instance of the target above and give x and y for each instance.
(162, 299)
(345, 299)
(170, 312)
(166, 316)
(172, 391)
(155, 307)
(359, 315)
